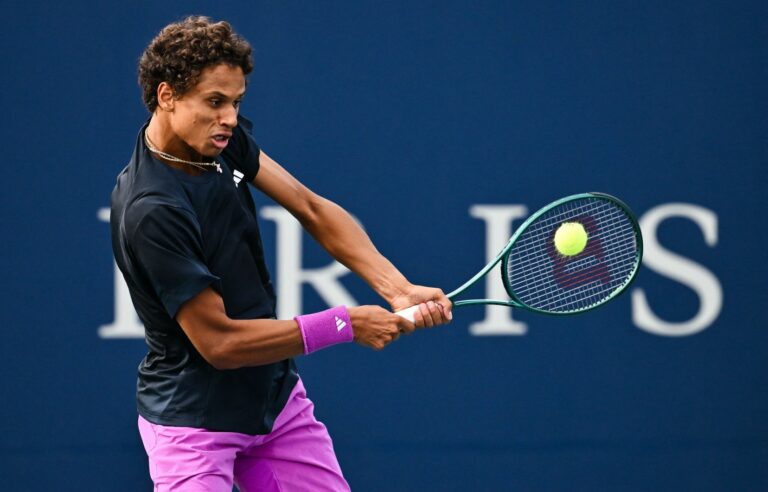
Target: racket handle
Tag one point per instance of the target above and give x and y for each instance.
(407, 313)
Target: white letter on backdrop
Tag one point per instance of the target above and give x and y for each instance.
(679, 268)
(498, 229)
(290, 275)
(126, 323)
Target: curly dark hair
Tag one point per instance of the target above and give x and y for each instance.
(182, 50)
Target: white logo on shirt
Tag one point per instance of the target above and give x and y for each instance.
(237, 176)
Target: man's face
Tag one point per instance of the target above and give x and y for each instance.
(203, 118)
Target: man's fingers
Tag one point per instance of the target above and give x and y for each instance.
(445, 313)
(405, 326)
(426, 313)
(430, 314)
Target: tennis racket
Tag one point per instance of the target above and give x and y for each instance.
(539, 278)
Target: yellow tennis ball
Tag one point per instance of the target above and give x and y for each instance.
(570, 238)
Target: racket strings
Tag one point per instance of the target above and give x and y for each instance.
(524, 256)
(563, 294)
(531, 261)
(588, 274)
(576, 270)
(589, 295)
(542, 279)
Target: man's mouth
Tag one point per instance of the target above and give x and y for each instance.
(220, 140)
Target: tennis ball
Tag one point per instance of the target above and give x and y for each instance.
(570, 238)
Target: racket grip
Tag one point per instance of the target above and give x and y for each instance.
(407, 313)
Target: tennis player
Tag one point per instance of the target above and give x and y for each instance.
(219, 397)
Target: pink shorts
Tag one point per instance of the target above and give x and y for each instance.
(297, 455)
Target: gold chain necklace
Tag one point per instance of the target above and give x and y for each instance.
(205, 166)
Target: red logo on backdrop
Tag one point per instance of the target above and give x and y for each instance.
(568, 270)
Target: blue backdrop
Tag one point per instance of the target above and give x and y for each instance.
(437, 124)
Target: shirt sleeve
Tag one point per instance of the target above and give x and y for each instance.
(167, 244)
(243, 152)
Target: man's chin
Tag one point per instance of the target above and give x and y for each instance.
(211, 152)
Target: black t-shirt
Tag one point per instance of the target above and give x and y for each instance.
(173, 235)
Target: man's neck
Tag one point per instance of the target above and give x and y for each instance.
(162, 138)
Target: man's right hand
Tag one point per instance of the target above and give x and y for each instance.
(376, 327)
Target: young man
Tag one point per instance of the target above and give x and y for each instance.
(219, 397)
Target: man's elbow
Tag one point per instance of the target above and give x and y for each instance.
(221, 358)
(314, 210)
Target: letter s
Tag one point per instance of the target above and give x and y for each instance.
(678, 268)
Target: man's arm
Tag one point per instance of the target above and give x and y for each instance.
(228, 343)
(339, 234)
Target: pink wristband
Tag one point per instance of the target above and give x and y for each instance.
(329, 327)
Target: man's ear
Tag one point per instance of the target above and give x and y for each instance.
(165, 97)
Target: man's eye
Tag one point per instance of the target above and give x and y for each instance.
(236, 104)
(215, 102)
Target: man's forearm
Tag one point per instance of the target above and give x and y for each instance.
(345, 240)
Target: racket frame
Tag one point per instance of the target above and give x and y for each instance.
(504, 253)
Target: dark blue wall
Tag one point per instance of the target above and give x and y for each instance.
(410, 114)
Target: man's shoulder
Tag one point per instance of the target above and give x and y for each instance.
(136, 198)
(158, 206)
(143, 186)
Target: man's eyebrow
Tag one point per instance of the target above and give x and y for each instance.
(224, 96)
